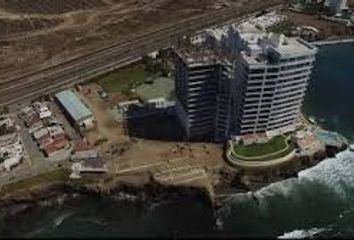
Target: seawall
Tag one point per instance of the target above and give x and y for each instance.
(330, 42)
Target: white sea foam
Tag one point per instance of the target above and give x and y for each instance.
(283, 187)
(44, 227)
(59, 220)
(121, 196)
(333, 172)
(96, 221)
(301, 234)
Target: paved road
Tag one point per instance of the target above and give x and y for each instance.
(109, 58)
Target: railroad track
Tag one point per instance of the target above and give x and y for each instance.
(107, 59)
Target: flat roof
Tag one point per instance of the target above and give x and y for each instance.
(286, 47)
(162, 87)
(295, 47)
(73, 105)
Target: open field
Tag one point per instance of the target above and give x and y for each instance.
(45, 32)
(49, 6)
(19, 26)
(149, 149)
(124, 78)
(35, 69)
(327, 29)
(55, 176)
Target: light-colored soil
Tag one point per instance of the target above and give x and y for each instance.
(327, 29)
(177, 161)
(106, 126)
(44, 32)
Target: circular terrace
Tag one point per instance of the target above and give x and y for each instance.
(277, 150)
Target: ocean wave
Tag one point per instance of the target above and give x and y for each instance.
(331, 172)
(324, 185)
(122, 196)
(336, 173)
(51, 225)
(301, 234)
(59, 200)
(60, 219)
(284, 188)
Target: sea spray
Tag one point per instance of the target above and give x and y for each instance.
(301, 234)
(315, 198)
(336, 173)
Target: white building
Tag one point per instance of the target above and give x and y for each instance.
(42, 109)
(272, 74)
(337, 6)
(11, 148)
(160, 103)
(242, 81)
(12, 162)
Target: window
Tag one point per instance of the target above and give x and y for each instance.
(256, 78)
(257, 70)
(272, 76)
(268, 95)
(273, 70)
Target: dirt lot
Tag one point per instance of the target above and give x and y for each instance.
(351, 3)
(44, 32)
(328, 29)
(172, 161)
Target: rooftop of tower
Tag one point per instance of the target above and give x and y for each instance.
(199, 55)
(258, 50)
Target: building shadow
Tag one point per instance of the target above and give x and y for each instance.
(153, 124)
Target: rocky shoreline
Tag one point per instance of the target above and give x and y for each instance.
(252, 180)
(19, 203)
(148, 191)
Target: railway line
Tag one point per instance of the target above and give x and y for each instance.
(116, 55)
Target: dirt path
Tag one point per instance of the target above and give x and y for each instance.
(69, 20)
(28, 46)
(106, 126)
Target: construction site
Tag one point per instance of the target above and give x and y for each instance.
(167, 161)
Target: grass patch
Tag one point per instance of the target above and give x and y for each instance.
(86, 179)
(125, 78)
(55, 176)
(259, 149)
(273, 157)
(161, 87)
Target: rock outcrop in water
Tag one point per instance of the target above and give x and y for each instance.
(19, 202)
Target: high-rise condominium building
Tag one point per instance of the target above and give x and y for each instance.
(337, 6)
(203, 93)
(252, 82)
(272, 75)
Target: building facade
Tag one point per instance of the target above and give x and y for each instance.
(337, 6)
(203, 93)
(250, 83)
(272, 76)
(76, 110)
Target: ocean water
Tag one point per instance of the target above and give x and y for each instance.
(319, 202)
(330, 96)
